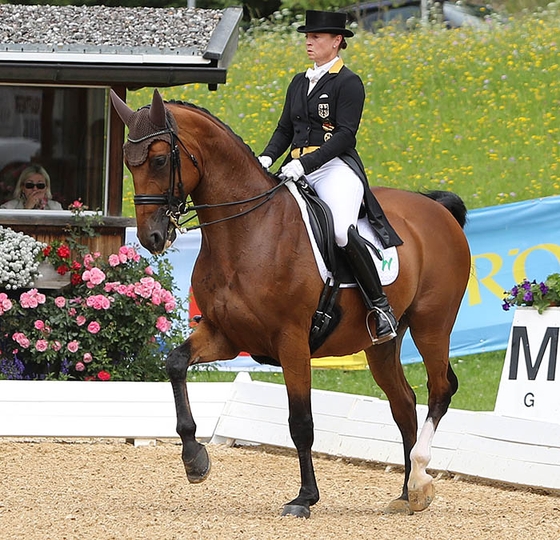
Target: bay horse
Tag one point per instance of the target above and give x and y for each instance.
(257, 284)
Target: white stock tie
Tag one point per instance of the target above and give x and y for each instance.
(314, 74)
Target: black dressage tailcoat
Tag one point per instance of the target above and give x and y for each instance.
(328, 118)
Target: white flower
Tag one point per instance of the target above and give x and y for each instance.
(18, 258)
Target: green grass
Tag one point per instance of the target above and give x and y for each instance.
(479, 377)
(472, 111)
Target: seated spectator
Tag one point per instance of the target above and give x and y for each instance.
(33, 191)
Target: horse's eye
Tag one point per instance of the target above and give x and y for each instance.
(159, 162)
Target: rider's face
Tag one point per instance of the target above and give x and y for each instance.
(322, 48)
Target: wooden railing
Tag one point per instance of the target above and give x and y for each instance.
(46, 226)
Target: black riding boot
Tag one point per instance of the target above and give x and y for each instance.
(365, 271)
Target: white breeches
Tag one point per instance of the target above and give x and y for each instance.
(341, 188)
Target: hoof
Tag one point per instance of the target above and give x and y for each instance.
(398, 506)
(198, 469)
(296, 510)
(420, 497)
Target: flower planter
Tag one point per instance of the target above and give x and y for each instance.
(49, 278)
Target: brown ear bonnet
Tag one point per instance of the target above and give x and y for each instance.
(148, 124)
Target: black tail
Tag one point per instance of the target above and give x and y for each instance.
(452, 202)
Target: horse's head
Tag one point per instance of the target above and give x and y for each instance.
(152, 154)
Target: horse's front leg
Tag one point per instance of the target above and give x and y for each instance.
(300, 420)
(206, 344)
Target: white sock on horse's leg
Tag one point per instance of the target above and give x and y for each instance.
(420, 483)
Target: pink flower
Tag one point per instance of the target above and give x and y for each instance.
(79, 366)
(145, 287)
(21, 339)
(127, 253)
(132, 254)
(111, 286)
(31, 299)
(93, 327)
(98, 301)
(114, 260)
(73, 346)
(5, 303)
(126, 290)
(56, 345)
(39, 325)
(87, 358)
(148, 270)
(168, 299)
(80, 320)
(162, 324)
(88, 260)
(42, 345)
(60, 301)
(76, 205)
(93, 277)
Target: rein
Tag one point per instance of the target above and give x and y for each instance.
(177, 206)
(266, 196)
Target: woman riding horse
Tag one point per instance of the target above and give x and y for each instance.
(319, 123)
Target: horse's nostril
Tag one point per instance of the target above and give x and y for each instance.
(156, 242)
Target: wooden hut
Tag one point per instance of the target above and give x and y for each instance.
(57, 65)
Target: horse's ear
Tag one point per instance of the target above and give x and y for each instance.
(123, 110)
(157, 110)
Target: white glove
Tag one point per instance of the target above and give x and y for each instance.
(293, 170)
(265, 161)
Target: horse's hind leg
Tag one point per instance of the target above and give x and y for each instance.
(204, 345)
(442, 384)
(385, 366)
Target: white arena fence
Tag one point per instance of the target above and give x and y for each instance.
(484, 445)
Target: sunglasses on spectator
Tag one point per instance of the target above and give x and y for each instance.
(31, 185)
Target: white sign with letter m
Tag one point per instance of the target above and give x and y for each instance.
(530, 384)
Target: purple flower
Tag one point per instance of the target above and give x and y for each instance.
(505, 305)
(543, 288)
(526, 285)
(528, 296)
(12, 369)
(514, 291)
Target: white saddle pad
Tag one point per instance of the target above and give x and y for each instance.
(388, 268)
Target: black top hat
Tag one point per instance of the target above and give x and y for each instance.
(327, 22)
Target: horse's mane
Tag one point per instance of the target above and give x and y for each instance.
(214, 118)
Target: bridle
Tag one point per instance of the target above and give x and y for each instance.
(168, 198)
(176, 207)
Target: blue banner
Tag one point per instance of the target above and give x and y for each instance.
(508, 243)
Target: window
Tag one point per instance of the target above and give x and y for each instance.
(64, 129)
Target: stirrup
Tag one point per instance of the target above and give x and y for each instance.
(387, 337)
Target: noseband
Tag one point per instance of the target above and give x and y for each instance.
(177, 206)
